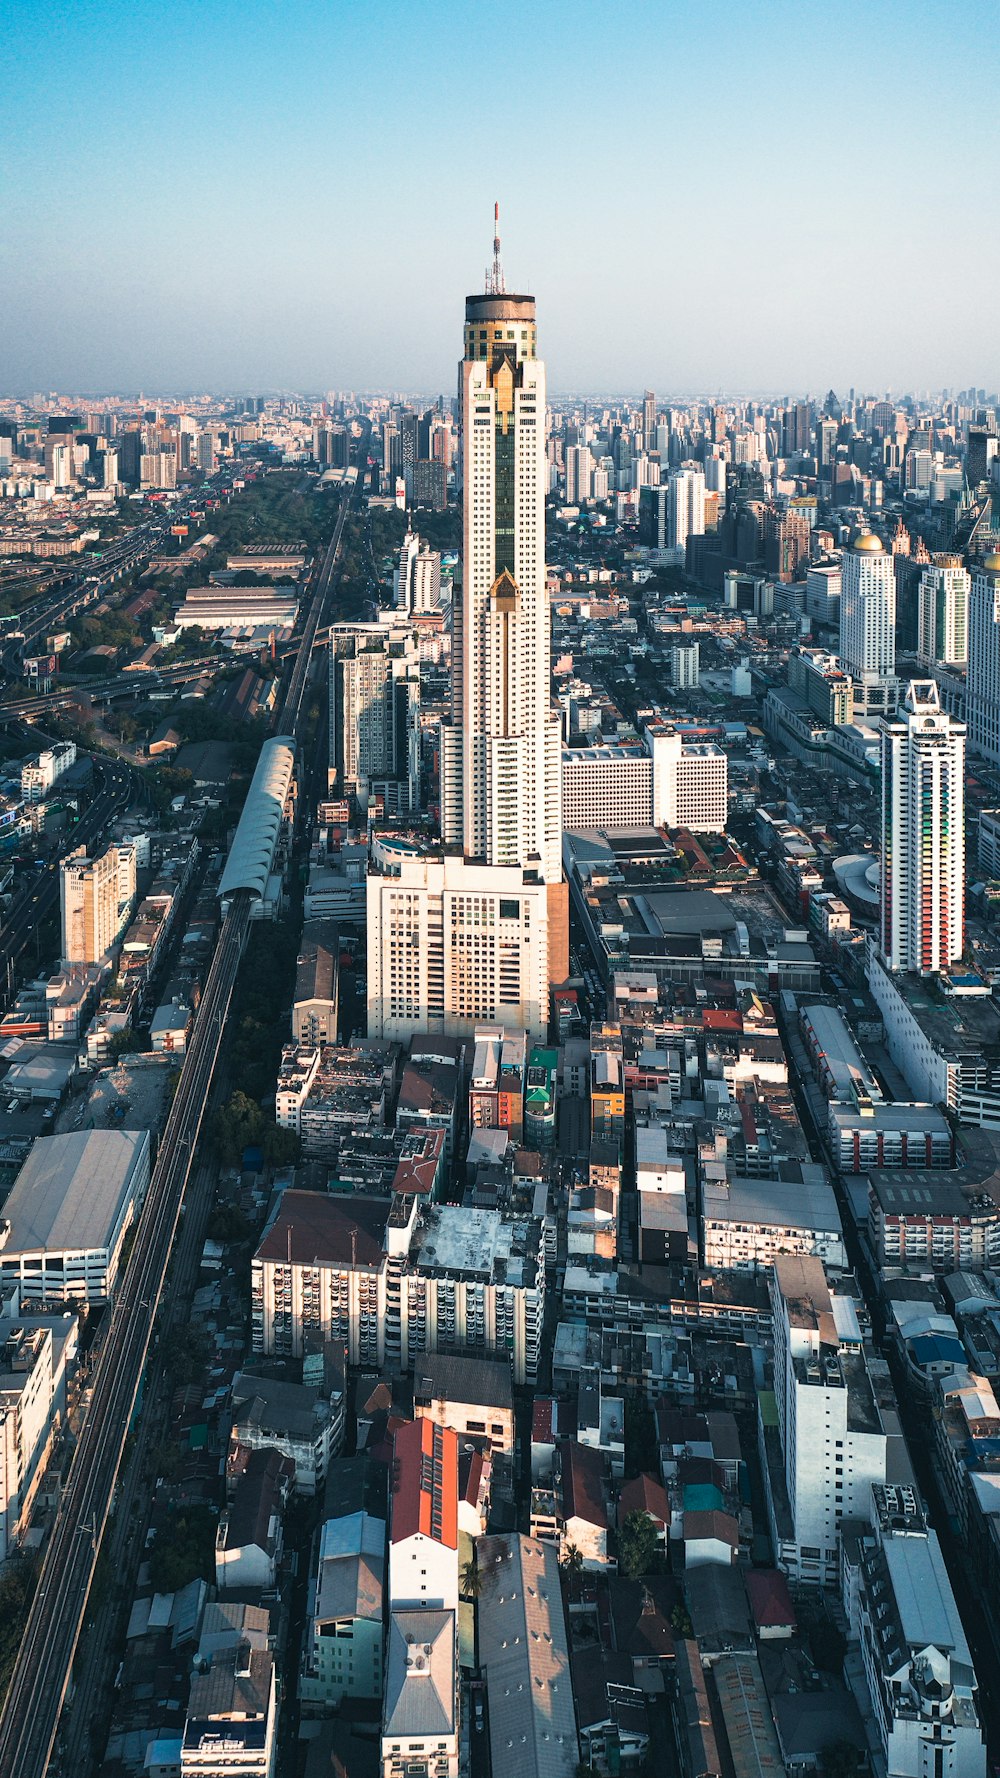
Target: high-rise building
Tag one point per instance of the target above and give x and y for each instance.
(375, 714)
(579, 474)
(868, 625)
(982, 704)
(943, 613)
(868, 608)
(686, 508)
(416, 578)
(830, 1443)
(923, 834)
(95, 895)
(649, 419)
(916, 1662)
(984, 445)
(499, 882)
(500, 759)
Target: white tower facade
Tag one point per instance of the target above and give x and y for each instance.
(479, 930)
(868, 609)
(923, 834)
(686, 508)
(501, 756)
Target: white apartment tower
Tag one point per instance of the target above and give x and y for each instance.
(982, 703)
(416, 578)
(579, 474)
(943, 613)
(95, 897)
(832, 1438)
(868, 609)
(923, 834)
(686, 507)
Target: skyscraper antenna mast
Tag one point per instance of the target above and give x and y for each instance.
(495, 285)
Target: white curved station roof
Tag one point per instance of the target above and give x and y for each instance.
(252, 852)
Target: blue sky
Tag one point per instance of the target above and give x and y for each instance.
(298, 193)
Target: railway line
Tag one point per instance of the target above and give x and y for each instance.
(31, 1713)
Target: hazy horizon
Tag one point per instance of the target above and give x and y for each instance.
(260, 198)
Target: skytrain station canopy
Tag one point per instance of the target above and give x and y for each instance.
(251, 855)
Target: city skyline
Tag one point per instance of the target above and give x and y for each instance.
(194, 235)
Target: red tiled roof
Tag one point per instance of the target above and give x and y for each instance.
(582, 1482)
(770, 1599)
(711, 1524)
(425, 1483)
(721, 1018)
(315, 1230)
(543, 1417)
(644, 1495)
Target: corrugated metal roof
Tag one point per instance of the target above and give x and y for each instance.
(252, 853)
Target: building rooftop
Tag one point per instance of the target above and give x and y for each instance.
(483, 1243)
(420, 1693)
(808, 1203)
(425, 1483)
(925, 1613)
(583, 1484)
(232, 1700)
(311, 1229)
(524, 1650)
(272, 1405)
(746, 1714)
(70, 1192)
(443, 1376)
(801, 1281)
(351, 1568)
(972, 1188)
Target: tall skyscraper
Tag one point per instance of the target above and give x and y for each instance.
(416, 578)
(501, 755)
(479, 930)
(983, 690)
(649, 419)
(943, 612)
(923, 834)
(579, 474)
(686, 508)
(868, 625)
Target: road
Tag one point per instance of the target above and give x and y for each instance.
(41, 1675)
(292, 705)
(121, 685)
(94, 1665)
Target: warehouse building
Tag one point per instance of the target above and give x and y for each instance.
(67, 1215)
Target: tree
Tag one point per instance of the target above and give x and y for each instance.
(17, 1589)
(638, 1546)
(838, 1759)
(472, 1580)
(237, 1125)
(184, 1550)
(572, 1561)
(228, 1224)
(282, 1148)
